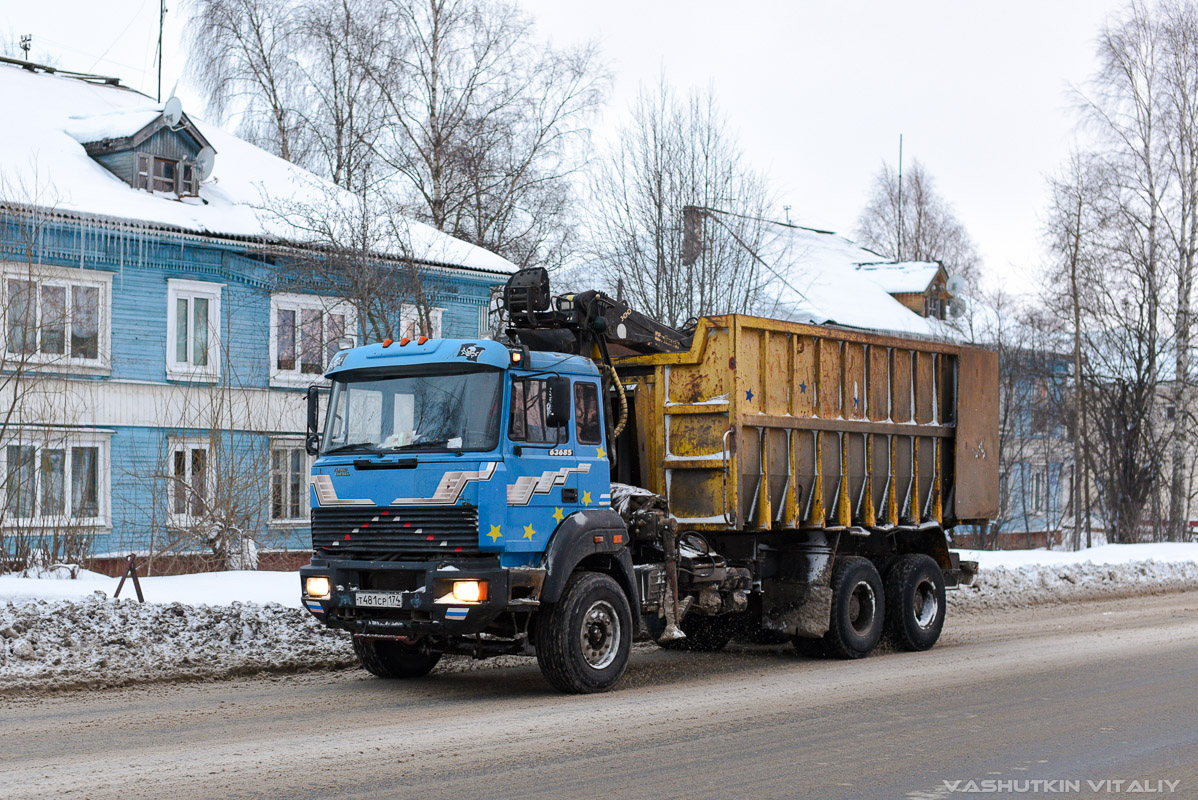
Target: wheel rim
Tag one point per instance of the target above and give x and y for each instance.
(600, 634)
(863, 607)
(926, 604)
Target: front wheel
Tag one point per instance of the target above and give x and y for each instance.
(584, 639)
(391, 659)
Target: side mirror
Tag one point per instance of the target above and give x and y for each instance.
(559, 402)
(312, 438)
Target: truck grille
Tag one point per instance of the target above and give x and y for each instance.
(391, 534)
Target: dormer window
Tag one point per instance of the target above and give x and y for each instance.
(166, 175)
(156, 150)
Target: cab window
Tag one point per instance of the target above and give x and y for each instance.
(586, 413)
(530, 399)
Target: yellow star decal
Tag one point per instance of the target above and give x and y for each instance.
(494, 533)
(602, 453)
(528, 532)
(586, 498)
(558, 515)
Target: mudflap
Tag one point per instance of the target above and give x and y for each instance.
(798, 601)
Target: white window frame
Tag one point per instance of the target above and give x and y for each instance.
(65, 277)
(178, 289)
(409, 322)
(285, 445)
(186, 445)
(61, 439)
(287, 301)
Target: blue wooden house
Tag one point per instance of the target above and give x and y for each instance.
(156, 344)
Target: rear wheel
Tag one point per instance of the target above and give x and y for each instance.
(858, 608)
(915, 602)
(388, 658)
(584, 639)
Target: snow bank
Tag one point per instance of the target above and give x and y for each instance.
(999, 587)
(1176, 552)
(98, 642)
(211, 588)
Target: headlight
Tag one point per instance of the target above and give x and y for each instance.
(470, 591)
(317, 587)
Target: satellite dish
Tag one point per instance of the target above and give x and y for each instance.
(205, 161)
(172, 112)
(956, 285)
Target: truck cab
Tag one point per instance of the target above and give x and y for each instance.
(457, 485)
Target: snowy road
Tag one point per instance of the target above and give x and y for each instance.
(1085, 692)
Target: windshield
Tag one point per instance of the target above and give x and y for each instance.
(434, 412)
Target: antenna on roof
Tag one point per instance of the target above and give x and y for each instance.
(161, 23)
(899, 254)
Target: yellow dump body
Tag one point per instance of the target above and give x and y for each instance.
(768, 425)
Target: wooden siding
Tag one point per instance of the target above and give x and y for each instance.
(141, 263)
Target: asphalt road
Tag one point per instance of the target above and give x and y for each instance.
(1088, 692)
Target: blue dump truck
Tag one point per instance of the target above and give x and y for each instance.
(602, 479)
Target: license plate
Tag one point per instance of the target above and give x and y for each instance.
(378, 599)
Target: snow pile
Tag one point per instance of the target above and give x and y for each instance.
(1009, 587)
(97, 642)
(282, 588)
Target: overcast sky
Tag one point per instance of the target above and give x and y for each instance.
(818, 91)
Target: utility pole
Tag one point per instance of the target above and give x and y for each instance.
(161, 23)
(26, 43)
(899, 254)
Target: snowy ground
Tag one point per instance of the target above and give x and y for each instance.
(57, 633)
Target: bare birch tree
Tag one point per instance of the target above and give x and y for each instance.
(674, 153)
(930, 229)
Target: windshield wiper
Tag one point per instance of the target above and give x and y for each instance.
(415, 445)
(355, 446)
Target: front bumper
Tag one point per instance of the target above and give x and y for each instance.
(414, 587)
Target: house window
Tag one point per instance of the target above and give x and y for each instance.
(1038, 493)
(188, 184)
(306, 332)
(56, 317)
(166, 171)
(141, 180)
(171, 175)
(484, 322)
(54, 481)
(288, 482)
(411, 326)
(187, 486)
(192, 333)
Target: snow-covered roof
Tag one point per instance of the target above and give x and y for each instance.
(85, 128)
(250, 193)
(902, 277)
(816, 280)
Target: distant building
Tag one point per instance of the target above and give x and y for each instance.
(921, 286)
(154, 357)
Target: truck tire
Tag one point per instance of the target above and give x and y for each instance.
(390, 659)
(585, 638)
(858, 608)
(915, 603)
(704, 634)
